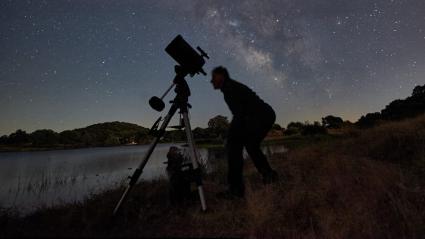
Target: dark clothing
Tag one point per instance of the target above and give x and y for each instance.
(252, 119)
(242, 101)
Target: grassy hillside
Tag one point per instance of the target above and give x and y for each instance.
(369, 185)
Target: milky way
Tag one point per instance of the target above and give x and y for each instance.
(68, 64)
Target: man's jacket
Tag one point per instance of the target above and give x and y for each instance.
(243, 102)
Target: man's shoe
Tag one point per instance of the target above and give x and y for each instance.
(271, 177)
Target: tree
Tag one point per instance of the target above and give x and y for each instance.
(296, 125)
(70, 137)
(4, 140)
(398, 109)
(19, 137)
(369, 119)
(277, 127)
(89, 139)
(218, 125)
(175, 135)
(293, 128)
(111, 140)
(142, 137)
(419, 91)
(44, 137)
(332, 122)
(200, 133)
(313, 129)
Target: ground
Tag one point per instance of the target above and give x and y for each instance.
(367, 183)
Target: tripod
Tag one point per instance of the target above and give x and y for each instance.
(180, 103)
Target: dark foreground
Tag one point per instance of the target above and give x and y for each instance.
(371, 184)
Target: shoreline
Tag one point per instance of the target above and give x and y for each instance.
(17, 149)
(7, 149)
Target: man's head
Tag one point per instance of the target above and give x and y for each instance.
(219, 75)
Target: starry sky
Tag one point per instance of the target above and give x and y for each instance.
(69, 64)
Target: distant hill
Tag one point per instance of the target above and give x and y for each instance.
(102, 134)
(412, 106)
(106, 134)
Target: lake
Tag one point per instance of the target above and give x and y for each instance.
(30, 180)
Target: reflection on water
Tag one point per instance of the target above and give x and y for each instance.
(34, 179)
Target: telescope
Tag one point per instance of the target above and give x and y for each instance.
(190, 62)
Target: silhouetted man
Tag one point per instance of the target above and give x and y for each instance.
(252, 119)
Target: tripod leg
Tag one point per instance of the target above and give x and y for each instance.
(134, 178)
(194, 157)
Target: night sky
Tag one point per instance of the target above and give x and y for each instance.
(69, 64)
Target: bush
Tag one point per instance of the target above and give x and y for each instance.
(313, 129)
(291, 131)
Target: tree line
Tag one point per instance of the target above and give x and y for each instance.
(121, 133)
(412, 106)
(110, 134)
(399, 109)
(103, 134)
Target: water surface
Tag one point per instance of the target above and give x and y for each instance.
(33, 179)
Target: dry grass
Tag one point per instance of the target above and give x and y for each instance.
(370, 185)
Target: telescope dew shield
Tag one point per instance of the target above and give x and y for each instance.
(185, 55)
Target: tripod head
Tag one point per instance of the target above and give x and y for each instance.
(182, 90)
(190, 63)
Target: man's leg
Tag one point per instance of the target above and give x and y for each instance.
(253, 147)
(234, 147)
(252, 142)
